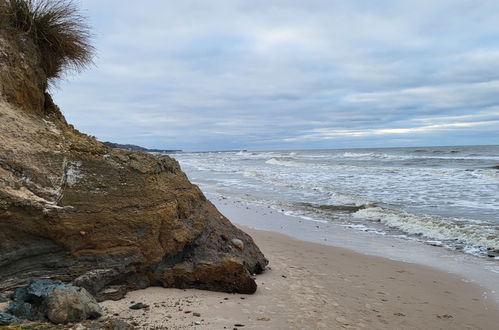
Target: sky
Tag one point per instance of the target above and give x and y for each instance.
(265, 75)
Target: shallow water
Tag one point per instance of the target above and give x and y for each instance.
(444, 196)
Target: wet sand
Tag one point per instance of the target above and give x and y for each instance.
(313, 286)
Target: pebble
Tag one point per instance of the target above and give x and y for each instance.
(238, 243)
(139, 306)
(197, 323)
(196, 314)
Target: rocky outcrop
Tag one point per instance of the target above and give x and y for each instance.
(105, 219)
(54, 301)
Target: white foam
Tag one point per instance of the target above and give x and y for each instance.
(285, 162)
(435, 228)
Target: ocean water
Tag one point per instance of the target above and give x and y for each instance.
(442, 196)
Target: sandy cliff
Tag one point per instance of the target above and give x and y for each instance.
(106, 219)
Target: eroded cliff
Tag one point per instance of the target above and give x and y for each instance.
(105, 219)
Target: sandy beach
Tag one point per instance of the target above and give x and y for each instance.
(313, 286)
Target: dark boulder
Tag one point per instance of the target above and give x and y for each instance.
(8, 319)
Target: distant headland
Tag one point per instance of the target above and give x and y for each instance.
(133, 147)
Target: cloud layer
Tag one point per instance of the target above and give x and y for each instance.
(211, 75)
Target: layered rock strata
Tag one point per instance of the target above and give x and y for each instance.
(105, 219)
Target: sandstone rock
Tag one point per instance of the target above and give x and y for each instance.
(228, 276)
(115, 292)
(75, 210)
(71, 305)
(53, 300)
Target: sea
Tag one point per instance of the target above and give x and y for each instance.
(433, 206)
(444, 197)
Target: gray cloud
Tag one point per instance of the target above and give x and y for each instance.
(201, 75)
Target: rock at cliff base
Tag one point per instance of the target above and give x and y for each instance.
(8, 319)
(69, 305)
(55, 301)
(114, 292)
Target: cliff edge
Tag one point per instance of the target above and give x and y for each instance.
(105, 219)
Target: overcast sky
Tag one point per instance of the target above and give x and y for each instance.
(212, 75)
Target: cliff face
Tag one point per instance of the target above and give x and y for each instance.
(75, 210)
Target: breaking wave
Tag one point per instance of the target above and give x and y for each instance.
(456, 233)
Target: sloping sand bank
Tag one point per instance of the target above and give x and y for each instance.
(311, 286)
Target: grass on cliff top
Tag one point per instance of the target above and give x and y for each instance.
(57, 29)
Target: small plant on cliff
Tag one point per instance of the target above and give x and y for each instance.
(56, 28)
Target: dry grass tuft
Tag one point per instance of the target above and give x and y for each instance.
(56, 28)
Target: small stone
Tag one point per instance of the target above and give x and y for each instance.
(197, 323)
(239, 325)
(196, 314)
(238, 243)
(139, 306)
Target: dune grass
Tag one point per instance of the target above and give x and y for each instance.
(58, 30)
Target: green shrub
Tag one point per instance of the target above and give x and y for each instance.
(56, 28)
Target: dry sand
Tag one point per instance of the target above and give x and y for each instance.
(312, 286)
